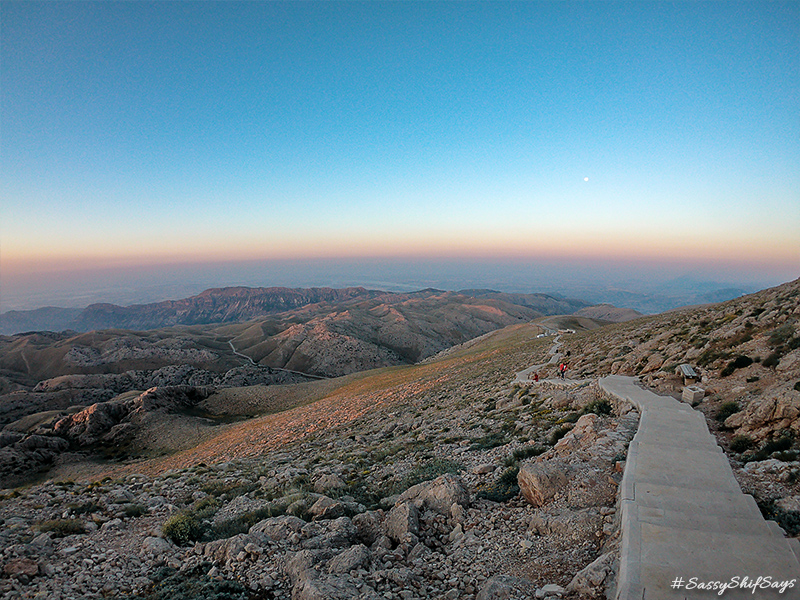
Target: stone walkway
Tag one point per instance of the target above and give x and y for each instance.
(684, 515)
(526, 375)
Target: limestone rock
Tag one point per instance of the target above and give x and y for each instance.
(581, 436)
(328, 482)
(437, 495)
(368, 525)
(21, 566)
(540, 482)
(302, 565)
(326, 508)
(769, 414)
(595, 578)
(353, 558)
(498, 587)
(155, 545)
(577, 526)
(277, 529)
(402, 520)
(331, 587)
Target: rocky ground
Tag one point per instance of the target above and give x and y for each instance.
(391, 506)
(443, 480)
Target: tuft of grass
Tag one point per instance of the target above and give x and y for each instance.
(601, 406)
(726, 410)
(502, 489)
(558, 434)
(85, 508)
(134, 510)
(741, 443)
(489, 441)
(523, 453)
(428, 470)
(788, 520)
(62, 527)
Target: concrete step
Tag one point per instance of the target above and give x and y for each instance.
(700, 521)
(733, 505)
(683, 468)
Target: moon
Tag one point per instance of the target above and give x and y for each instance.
(586, 179)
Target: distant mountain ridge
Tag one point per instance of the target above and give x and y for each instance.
(215, 305)
(238, 304)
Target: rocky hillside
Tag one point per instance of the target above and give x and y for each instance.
(608, 312)
(396, 484)
(235, 305)
(442, 479)
(376, 333)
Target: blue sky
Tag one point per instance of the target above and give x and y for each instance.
(138, 133)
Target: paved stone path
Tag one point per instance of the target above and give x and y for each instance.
(684, 515)
(526, 375)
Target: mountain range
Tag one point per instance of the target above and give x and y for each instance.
(236, 304)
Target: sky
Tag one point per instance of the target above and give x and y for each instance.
(168, 143)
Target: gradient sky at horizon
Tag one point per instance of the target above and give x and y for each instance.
(138, 133)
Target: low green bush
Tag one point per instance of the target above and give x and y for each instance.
(740, 362)
(741, 443)
(558, 434)
(788, 520)
(601, 406)
(194, 584)
(134, 510)
(727, 409)
(430, 469)
(502, 489)
(183, 528)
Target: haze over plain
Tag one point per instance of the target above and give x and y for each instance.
(153, 149)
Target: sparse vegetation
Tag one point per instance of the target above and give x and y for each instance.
(558, 433)
(195, 584)
(62, 527)
(741, 443)
(503, 488)
(601, 406)
(740, 362)
(726, 410)
(183, 528)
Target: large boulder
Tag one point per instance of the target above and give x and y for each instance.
(498, 587)
(581, 436)
(277, 529)
(369, 525)
(539, 482)
(769, 414)
(351, 559)
(577, 526)
(327, 508)
(332, 587)
(402, 521)
(438, 495)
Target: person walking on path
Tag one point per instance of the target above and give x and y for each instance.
(562, 370)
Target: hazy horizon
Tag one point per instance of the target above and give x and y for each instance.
(646, 287)
(152, 148)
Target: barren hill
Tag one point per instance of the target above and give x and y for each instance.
(238, 304)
